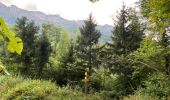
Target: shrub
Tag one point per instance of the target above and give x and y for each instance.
(103, 80)
(35, 89)
(17, 88)
(157, 87)
(140, 97)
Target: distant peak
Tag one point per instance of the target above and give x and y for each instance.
(4, 4)
(13, 6)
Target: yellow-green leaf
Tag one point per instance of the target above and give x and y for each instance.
(1, 68)
(14, 43)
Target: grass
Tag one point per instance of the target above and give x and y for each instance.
(17, 88)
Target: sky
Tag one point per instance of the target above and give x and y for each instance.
(103, 11)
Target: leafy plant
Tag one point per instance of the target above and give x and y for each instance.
(14, 43)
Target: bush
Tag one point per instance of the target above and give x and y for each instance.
(35, 89)
(17, 88)
(157, 87)
(140, 97)
(103, 80)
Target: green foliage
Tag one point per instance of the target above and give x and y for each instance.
(14, 43)
(126, 38)
(63, 46)
(150, 69)
(86, 47)
(19, 88)
(59, 61)
(82, 54)
(127, 32)
(27, 31)
(127, 66)
(164, 43)
(43, 50)
(156, 88)
(54, 34)
(2, 68)
(123, 66)
(102, 79)
(31, 90)
(140, 97)
(107, 83)
(89, 34)
(147, 55)
(157, 85)
(157, 12)
(149, 58)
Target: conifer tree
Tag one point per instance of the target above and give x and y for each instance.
(89, 38)
(27, 31)
(43, 51)
(126, 38)
(127, 32)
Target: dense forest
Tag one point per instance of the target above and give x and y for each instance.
(44, 62)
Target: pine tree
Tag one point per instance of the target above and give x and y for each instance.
(27, 31)
(127, 32)
(43, 51)
(126, 38)
(89, 38)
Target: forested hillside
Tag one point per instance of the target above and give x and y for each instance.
(43, 61)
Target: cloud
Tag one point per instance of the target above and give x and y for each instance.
(31, 7)
(103, 10)
(6, 1)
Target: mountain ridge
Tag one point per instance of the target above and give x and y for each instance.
(11, 13)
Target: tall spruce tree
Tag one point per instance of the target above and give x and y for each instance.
(43, 51)
(27, 31)
(126, 38)
(89, 38)
(127, 32)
